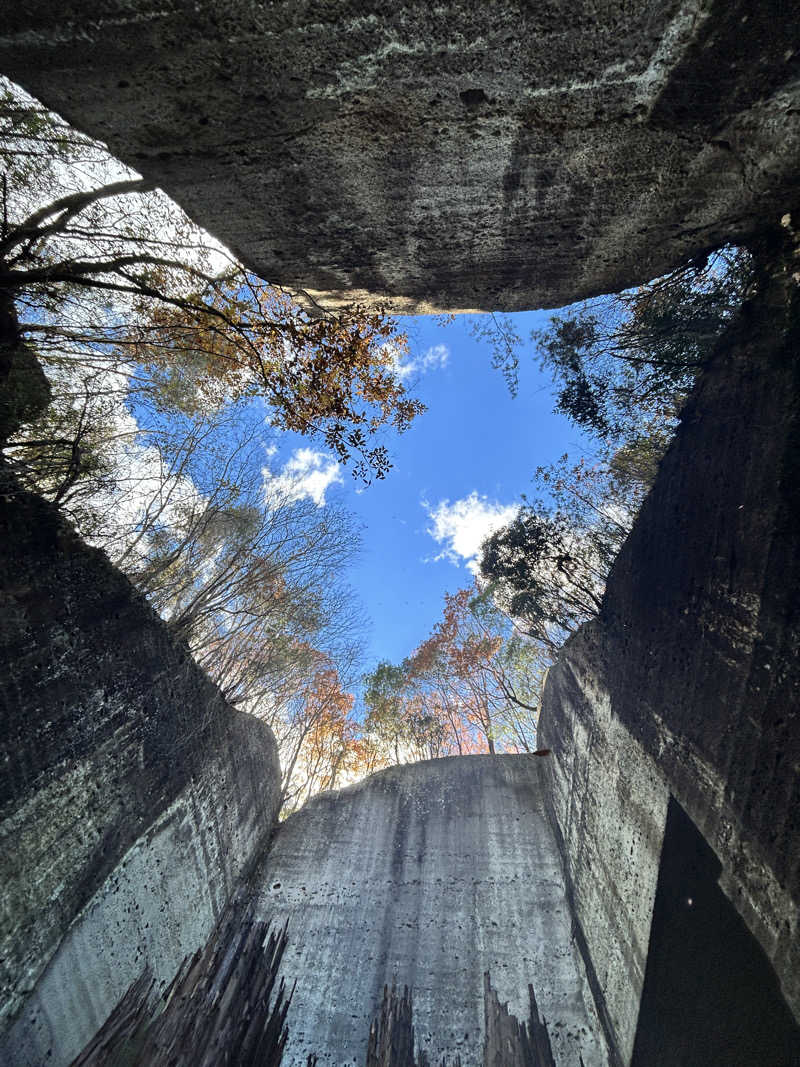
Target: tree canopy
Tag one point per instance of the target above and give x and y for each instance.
(155, 342)
(622, 367)
(111, 268)
(625, 362)
(547, 568)
(472, 685)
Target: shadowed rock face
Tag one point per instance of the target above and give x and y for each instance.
(504, 155)
(132, 797)
(688, 685)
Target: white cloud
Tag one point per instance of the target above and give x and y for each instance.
(305, 474)
(434, 358)
(462, 526)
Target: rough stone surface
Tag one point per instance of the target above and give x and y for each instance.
(24, 389)
(430, 875)
(610, 804)
(689, 683)
(132, 798)
(504, 155)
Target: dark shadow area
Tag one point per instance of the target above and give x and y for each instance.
(710, 994)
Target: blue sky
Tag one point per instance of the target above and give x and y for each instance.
(461, 464)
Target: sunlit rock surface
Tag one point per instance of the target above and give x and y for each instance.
(429, 874)
(502, 155)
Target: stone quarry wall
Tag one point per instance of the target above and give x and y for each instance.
(470, 155)
(429, 874)
(688, 684)
(505, 155)
(132, 798)
(609, 802)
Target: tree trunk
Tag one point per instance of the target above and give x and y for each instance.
(24, 389)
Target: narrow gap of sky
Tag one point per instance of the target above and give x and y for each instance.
(467, 459)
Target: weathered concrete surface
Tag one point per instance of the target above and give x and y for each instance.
(689, 683)
(132, 797)
(431, 874)
(503, 155)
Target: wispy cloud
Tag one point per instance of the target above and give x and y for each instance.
(434, 358)
(462, 526)
(305, 474)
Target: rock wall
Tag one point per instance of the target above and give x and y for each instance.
(688, 685)
(505, 155)
(469, 155)
(609, 802)
(236, 1008)
(132, 798)
(428, 875)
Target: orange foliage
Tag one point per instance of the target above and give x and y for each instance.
(454, 665)
(320, 372)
